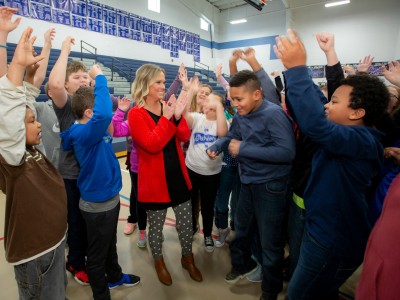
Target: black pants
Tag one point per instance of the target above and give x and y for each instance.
(102, 258)
(137, 212)
(208, 187)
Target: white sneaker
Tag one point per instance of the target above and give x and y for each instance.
(209, 243)
(223, 233)
(142, 241)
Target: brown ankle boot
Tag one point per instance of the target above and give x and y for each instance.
(162, 272)
(188, 264)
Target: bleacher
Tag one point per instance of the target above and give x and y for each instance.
(120, 81)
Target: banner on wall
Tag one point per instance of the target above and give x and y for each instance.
(101, 18)
(41, 10)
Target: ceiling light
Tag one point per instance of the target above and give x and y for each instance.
(238, 21)
(337, 3)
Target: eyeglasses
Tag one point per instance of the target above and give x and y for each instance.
(394, 96)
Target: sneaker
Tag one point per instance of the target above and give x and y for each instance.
(129, 228)
(209, 243)
(223, 233)
(142, 241)
(80, 276)
(126, 280)
(234, 276)
(256, 276)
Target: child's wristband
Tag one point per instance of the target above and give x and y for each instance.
(4, 46)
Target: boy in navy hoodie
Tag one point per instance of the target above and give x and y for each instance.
(99, 182)
(349, 154)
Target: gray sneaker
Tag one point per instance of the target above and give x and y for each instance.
(256, 276)
(142, 241)
(223, 234)
(234, 276)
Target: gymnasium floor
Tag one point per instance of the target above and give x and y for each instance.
(214, 266)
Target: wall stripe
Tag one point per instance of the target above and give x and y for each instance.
(267, 40)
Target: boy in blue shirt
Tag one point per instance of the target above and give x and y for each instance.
(99, 182)
(348, 156)
(262, 138)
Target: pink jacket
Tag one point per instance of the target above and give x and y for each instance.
(121, 128)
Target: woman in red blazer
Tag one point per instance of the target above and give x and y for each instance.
(159, 128)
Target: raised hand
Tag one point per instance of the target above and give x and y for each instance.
(218, 71)
(182, 68)
(236, 55)
(349, 70)
(6, 25)
(180, 106)
(184, 79)
(24, 54)
(49, 36)
(326, 41)
(290, 50)
(95, 70)
(67, 44)
(393, 73)
(365, 64)
(169, 107)
(248, 54)
(194, 85)
(124, 104)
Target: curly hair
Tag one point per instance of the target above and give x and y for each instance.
(369, 93)
(74, 66)
(82, 100)
(245, 78)
(146, 75)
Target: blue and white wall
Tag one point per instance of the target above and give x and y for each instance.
(361, 28)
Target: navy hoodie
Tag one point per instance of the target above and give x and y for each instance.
(342, 168)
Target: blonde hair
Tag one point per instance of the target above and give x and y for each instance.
(146, 75)
(193, 105)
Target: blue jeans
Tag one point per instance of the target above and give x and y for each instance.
(229, 181)
(319, 272)
(262, 207)
(77, 237)
(44, 277)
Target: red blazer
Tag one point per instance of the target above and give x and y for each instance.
(151, 139)
(380, 279)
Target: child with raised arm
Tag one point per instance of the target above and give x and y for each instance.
(337, 219)
(64, 79)
(261, 137)
(34, 189)
(204, 173)
(99, 182)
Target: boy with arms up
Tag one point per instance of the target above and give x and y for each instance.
(348, 156)
(34, 189)
(261, 137)
(65, 78)
(99, 182)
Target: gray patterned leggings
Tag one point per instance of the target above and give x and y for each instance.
(156, 219)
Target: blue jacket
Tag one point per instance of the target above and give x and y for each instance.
(267, 145)
(342, 168)
(100, 175)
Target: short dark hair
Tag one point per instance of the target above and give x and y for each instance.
(245, 78)
(82, 100)
(369, 93)
(74, 66)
